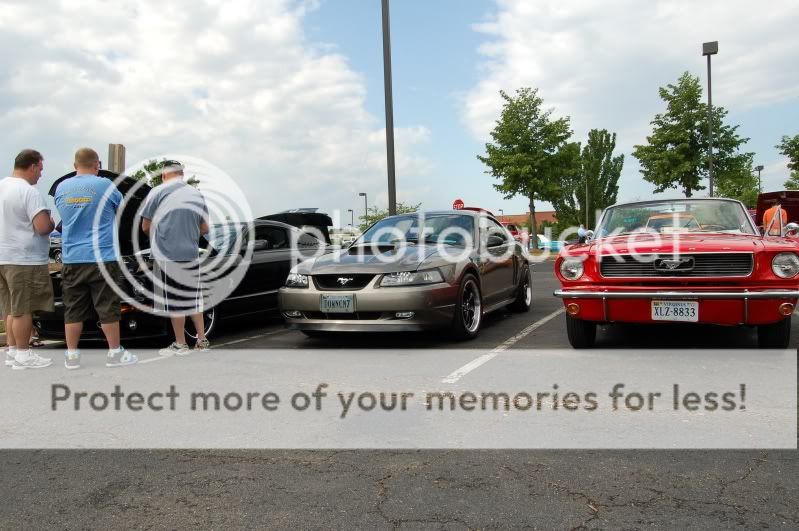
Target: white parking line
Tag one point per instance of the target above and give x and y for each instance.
(257, 336)
(233, 342)
(472, 365)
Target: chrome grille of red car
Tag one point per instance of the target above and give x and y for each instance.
(679, 266)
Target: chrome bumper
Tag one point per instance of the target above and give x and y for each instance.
(770, 294)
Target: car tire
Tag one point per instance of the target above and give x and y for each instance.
(211, 320)
(524, 293)
(468, 309)
(776, 335)
(582, 334)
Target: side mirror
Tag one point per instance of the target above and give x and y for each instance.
(589, 235)
(495, 241)
(791, 230)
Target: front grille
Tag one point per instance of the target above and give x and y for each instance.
(684, 265)
(342, 282)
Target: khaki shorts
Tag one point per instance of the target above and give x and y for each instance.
(86, 291)
(25, 289)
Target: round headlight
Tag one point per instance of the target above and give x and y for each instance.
(785, 265)
(571, 269)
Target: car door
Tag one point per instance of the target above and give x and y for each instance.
(498, 262)
(266, 271)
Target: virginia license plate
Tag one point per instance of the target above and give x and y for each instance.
(684, 311)
(337, 303)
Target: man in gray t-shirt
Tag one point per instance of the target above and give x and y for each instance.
(175, 215)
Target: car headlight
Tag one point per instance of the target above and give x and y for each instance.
(785, 265)
(571, 269)
(295, 280)
(412, 278)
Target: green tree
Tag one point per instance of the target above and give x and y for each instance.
(676, 153)
(375, 214)
(596, 183)
(739, 181)
(151, 174)
(526, 154)
(789, 146)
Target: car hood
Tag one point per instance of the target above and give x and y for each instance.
(131, 204)
(362, 260)
(674, 243)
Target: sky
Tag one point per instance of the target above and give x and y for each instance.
(286, 96)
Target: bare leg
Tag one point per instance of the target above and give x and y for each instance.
(10, 341)
(22, 330)
(111, 331)
(179, 327)
(199, 325)
(73, 331)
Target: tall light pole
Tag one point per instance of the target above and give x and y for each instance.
(392, 185)
(365, 206)
(708, 49)
(586, 202)
(501, 212)
(759, 183)
(352, 217)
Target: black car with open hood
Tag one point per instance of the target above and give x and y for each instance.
(275, 246)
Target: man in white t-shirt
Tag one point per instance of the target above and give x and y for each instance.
(25, 286)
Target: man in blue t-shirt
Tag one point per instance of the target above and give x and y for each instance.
(87, 205)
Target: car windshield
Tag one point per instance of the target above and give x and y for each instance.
(448, 229)
(678, 216)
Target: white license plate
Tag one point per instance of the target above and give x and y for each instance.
(337, 303)
(684, 311)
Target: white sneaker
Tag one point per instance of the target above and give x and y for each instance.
(175, 349)
(120, 358)
(29, 360)
(10, 354)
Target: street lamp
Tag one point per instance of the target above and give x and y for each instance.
(392, 185)
(365, 207)
(708, 49)
(759, 184)
(501, 213)
(352, 217)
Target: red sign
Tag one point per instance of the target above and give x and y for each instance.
(458, 204)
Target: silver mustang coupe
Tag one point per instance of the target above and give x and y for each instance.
(411, 272)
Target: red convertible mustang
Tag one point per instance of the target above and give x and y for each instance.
(687, 260)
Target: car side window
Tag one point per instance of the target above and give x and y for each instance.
(490, 228)
(495, 229)
(276, 236)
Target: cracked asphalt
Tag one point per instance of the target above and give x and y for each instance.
(381, 489)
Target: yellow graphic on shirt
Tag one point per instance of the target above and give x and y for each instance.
(78, 200)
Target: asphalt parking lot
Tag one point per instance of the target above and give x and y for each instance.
(382, 489)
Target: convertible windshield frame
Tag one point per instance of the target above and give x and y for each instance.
(748, 223)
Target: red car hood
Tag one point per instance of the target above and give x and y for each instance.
(675, 243)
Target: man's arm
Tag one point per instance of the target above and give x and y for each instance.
(145, 225)
(43, 223)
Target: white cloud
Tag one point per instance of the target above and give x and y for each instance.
(235, 82)
(602, 62)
